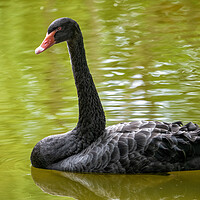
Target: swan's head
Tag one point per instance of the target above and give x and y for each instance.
(62, 29)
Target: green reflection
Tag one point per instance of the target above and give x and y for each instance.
(144, 57)
(177, 185)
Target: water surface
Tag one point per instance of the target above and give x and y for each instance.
(144, 57)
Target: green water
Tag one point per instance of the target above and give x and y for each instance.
(145, 60)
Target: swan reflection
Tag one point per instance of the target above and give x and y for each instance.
(106, 186)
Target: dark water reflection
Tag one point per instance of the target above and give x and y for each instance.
(144, 57)
(178, 185)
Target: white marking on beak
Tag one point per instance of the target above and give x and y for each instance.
(39, 50)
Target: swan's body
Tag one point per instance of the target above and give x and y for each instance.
(133, 147)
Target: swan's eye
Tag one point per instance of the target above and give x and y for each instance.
(59, 28)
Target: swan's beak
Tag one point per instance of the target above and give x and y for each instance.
(47, 42)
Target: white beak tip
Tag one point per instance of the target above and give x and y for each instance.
(39, 50)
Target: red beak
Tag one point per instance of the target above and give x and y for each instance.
(47, 42)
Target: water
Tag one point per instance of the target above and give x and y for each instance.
(144, 57)
(177, 185)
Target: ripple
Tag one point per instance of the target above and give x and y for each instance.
(137, 83)
(163, 72)
(116, 83)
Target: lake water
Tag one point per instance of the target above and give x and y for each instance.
(145, 60)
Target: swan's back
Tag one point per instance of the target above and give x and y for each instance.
(139, 147)
(160, 146)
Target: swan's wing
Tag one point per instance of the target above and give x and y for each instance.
(158, 146)
(177, 150)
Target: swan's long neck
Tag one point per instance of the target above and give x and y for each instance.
(91, 122)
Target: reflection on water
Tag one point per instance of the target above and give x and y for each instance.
(144, 57)
(91, 186)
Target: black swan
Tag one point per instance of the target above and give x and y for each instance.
(132, 147)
